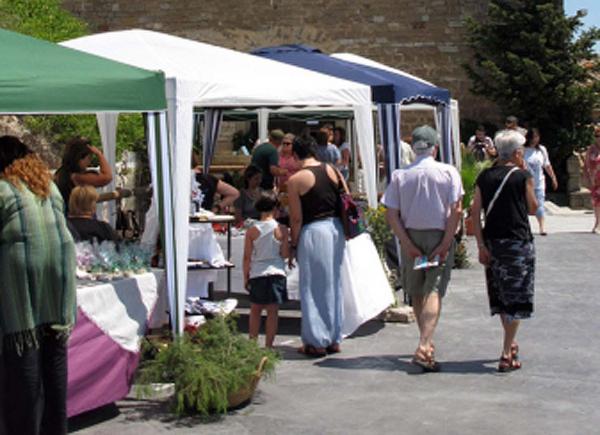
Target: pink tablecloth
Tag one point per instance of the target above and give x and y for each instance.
(103, 351)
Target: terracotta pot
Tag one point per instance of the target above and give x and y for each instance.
(469, 229)
(245, 393)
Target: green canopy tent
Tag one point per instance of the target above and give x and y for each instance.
(40, 77)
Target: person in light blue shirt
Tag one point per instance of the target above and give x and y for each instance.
(326, 152)
(537, 160)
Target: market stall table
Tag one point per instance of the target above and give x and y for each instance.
(104, 347)
(206, 255)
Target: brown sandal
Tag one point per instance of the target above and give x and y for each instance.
(425, 361)
(333, 348)
(311, 351)
(514, 351)
(508, 364)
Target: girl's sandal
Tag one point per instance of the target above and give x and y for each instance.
(508, 364)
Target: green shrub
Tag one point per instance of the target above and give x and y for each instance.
(207, 366)
(469, 172)
(378, 228)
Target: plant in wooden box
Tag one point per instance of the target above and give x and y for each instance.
(213, 369)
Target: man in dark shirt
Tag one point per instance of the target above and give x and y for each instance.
(266, 157)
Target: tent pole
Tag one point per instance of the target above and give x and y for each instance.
(158, 134)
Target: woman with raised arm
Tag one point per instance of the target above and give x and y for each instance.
(74, 170)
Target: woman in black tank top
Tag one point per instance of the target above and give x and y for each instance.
(505, 195)
(318, 244)
(322, 200)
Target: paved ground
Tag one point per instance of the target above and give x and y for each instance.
(372, 388)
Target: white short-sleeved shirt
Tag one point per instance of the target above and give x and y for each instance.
(424, 193)
(537, 159)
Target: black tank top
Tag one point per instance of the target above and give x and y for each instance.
(322, 200)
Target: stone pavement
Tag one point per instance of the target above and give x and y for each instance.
(372, 388)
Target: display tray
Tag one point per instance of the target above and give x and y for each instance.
(205, 265)
(203, 219)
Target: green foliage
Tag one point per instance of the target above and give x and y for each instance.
(59, 129)
(378, 228)
(46, 19)
(208, 366)
(529, 61)
(469, 172)
(43, 19)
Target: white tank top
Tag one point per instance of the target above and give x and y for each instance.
(266, 258)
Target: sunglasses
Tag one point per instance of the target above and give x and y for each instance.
(287, 143)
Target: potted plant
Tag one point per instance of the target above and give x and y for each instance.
(469, 172)
(213, 369)
(381, 234)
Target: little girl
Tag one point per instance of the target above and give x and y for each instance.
(265, 248)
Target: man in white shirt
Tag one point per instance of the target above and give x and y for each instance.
(481, 146)
(423, 203)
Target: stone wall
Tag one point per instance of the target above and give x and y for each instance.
(422, 37)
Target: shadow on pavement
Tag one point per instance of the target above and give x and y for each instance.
(141, 410)
(402, 363)
(91, 418)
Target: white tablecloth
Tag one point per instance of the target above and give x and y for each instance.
(203, 246)
(365, 286)
(122, 308)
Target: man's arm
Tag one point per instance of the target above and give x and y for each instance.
(450, 231)
(392, 216)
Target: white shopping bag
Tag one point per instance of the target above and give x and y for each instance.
(365, 288)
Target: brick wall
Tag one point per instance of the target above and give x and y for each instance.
(422, 37)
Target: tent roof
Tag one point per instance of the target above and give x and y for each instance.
(42, 77)
(211, 76)
(387, 86)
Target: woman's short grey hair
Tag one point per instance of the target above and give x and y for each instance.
(507, 142)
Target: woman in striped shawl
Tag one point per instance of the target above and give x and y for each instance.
(37, 293)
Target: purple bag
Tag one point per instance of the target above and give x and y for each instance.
(351, 214)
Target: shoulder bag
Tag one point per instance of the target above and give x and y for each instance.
(498, 191)
(351, 214)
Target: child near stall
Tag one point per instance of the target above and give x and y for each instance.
(265, 248)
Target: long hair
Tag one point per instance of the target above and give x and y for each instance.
(19, 165)
(75, 150)
(250, 172)
(529, 137)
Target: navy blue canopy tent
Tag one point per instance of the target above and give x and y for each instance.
(389, 90)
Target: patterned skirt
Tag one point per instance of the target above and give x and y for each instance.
(510, 277)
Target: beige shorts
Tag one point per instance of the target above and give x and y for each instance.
(424, 281)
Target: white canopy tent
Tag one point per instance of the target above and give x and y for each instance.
(454, 118)
(202, 75)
